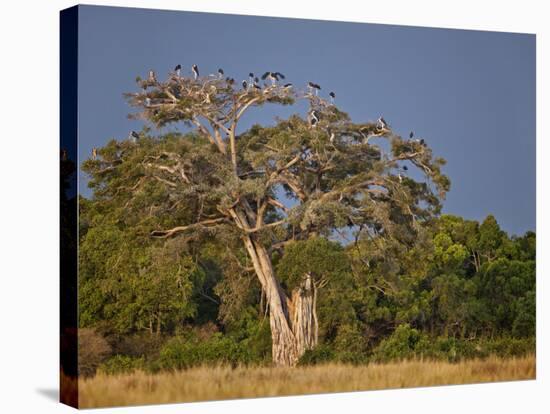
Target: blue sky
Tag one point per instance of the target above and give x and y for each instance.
(470, 94)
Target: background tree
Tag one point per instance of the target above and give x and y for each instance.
(264, 188)
(158, 280)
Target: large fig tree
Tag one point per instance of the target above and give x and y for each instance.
(313, 175)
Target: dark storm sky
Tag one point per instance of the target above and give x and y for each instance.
(470, 94)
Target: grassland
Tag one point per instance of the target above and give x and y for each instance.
(223, 382)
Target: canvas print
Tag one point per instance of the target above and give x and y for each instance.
(256, 206)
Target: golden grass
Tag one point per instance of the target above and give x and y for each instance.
(215, 383)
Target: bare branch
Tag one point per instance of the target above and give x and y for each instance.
(167, 182)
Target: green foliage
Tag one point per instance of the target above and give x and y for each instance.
(448, 255)
(524, 324)
(187, 352)
(349, 344)
(191, 350)
(401, 344)
(508, 289)
(459, 302)
(409, 343)
(121, 364)
(130, 281)
(452, 349)
(320, 355)
(431, 292)
(321, 258)
(490, 237)
(507, 347)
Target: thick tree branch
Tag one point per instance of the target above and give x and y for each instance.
(219, 140)
(246, 106)
(276, 203)
(265, 226)
(216, 123)
(294, 184)
(180, 229)
(202, 129)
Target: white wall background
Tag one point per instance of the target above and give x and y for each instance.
(29, 134)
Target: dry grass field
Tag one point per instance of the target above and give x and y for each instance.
(214, 383)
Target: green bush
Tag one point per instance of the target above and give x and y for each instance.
(350, 345)
(181, 352)
(445, 348)
(257, 343)
(320, 354)
(452, 349)
(406, 343)
(525, 323)
(121, 364)
(252, 345)
(508, 347)
(401, 344)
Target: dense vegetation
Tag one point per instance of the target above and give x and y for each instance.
(465, 289)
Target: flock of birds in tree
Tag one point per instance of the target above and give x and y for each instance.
(253, 83)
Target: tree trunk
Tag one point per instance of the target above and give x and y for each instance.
(293, 321)
(304, 315)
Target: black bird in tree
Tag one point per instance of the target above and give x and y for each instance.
(251, 78)
(411, 135)
(152, 76)
(270, 76)
(405, 168)
(313, 86)
(177, 69)
(134, 136)
(381, 124)
(314, 118)
(245, 84)
(230, 81)
(273, 76)
(332, 96)
(195, 70)
(287, 85)
(220, 73)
